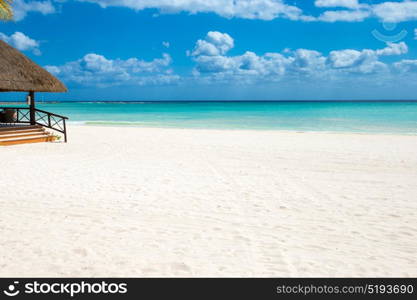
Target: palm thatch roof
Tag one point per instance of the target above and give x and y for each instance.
(20, 74)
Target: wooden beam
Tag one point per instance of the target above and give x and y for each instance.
(21, 131)
(9, 128)
(19, 136)
(32, 108)
(28, 141)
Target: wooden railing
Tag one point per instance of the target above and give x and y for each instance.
(41, 117)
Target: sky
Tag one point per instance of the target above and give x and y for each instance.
(220, 49)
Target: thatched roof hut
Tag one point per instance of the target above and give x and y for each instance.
(20, 74)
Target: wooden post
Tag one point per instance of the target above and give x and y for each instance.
(65, 131)
(32, 108)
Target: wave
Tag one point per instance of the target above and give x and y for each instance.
(103, 122)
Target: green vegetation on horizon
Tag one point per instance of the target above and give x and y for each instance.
(6, 12)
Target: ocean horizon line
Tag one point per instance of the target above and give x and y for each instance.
(212, 101)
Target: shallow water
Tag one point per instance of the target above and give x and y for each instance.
(374, 117)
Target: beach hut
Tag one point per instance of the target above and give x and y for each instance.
(26, 124)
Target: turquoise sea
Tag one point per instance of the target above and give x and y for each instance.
(373, 117)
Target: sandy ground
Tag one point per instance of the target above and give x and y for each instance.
(181, 202)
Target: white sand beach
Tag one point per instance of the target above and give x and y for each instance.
(119, 201)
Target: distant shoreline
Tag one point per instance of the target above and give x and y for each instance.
(214, 101)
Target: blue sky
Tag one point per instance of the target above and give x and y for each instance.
(221, 49)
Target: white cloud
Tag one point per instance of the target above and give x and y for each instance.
(248, 9)
(406, 66)
(215, 43)
(347, 10)
(353, 10)
(344, 58)
(97, 70)
(166, 44)
(344, 15)
(364, 61)
(393, 49)
(210, 57)
(387, 11)
(21, 42)
(396, 11)
(337, 3)
(21, 8)
(214, 65)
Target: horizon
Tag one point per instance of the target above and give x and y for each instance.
(210, 101)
